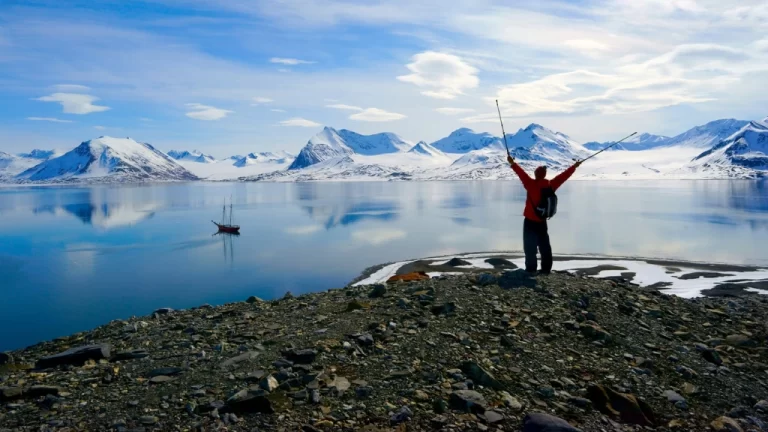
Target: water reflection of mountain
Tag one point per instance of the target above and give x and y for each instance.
(331, 216)
(102, 215)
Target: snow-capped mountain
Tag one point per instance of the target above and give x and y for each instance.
(640, 142)
(107, 158)
(330, 143)
(741, 153)
(465, 140)
(39, 154)
(538, 143)
(11, 165)
(422, 148)
(280, 157)
(193, 156)
(707, 135)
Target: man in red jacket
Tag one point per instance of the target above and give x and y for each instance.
(535, 234)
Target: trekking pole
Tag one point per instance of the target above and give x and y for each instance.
(504, 134)
(617, 142)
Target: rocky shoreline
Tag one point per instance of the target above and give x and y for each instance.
(496, 351)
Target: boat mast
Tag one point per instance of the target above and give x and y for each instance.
(230, 211)
(224, 212)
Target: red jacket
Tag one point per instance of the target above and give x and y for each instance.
(534, 188)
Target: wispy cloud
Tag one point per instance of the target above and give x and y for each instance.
(277, 110)
(72, 88)
(145, 119)
(378, 236)
(261, 100)
(444, 75)
(345, 107)
(299, 122)
(303, 230)
(454, 111)
(376, 115)
(49, 119)
(289, 61)
(99, 127)
(206, 112)
(74, 103)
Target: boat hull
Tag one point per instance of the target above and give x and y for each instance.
(232, 229)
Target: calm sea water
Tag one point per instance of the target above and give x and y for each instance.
(72, 258)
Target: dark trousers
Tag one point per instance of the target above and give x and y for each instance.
(535, 236)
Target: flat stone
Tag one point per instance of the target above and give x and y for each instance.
(247, 401)
(492, 417)
(541, 422)
(511, 401)
(75, 356)
(160, 379)
(468, 401)
(269, 383)
(167, 371)
(480, 376)
(725, 424)
(130, 355)
(740, 341)
(148, 420)
(234, 361)
(673, 396)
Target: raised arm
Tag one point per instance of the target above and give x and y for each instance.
(524, 177)
(563, 176)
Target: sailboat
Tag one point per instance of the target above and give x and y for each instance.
(226, 226)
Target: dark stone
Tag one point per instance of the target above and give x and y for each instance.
(130, 355)
(379, 290)
(282, 363)
(249, 402)
(365, 340)
(167, 371)
(444, 308)
(627, 407)
(364, 392)
(41, 390)
(580, 402)
(254, 299)
(255, 376)
(163, 311)
(303, 356)
(468, 401)
(5, 358)
(401, 416)
(711, 356)
(75, 356)
(540, 422)
(10, 393)
(480, 376)
(492, 417)
(455, 262)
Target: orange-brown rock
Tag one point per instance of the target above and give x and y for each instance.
(626, 407)
(725, 424)
(408, 277)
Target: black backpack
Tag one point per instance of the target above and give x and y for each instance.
(547, 206)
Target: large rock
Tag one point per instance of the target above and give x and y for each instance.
(626, 407)
(75, 356)
(10, 393)
(541, 422)
(595, 332)
(302, 356)
(5, 358)
(480, 376)
(740, 341)
(231, 362)
(249, 401)
(725, 424)
(468, 401)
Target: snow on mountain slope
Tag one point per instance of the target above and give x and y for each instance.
(707, 135)
(280, 157)
(742, 153)
(325, 145)
(40, 154)
(376, 144)
(640, 142)
(546, 144)
(337, 168)
(112, 159)
(465, 140)
(425, 149)
(11, 165)
(193, 156)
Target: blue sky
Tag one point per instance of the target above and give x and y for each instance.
(235, 76)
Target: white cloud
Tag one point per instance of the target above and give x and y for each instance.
(454, 111)
(144, 119)
(289, 61)
(49, 119)
(303, 230)
(299, 122)
(261, 100)
(761, 45)
(278, 110)
(378, 236)
(75, 103)
(445, 76)
(74, 88)
(99, 127)
(206, 112)
(345, 107)
(376, 115)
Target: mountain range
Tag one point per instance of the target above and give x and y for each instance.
(724, 148)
